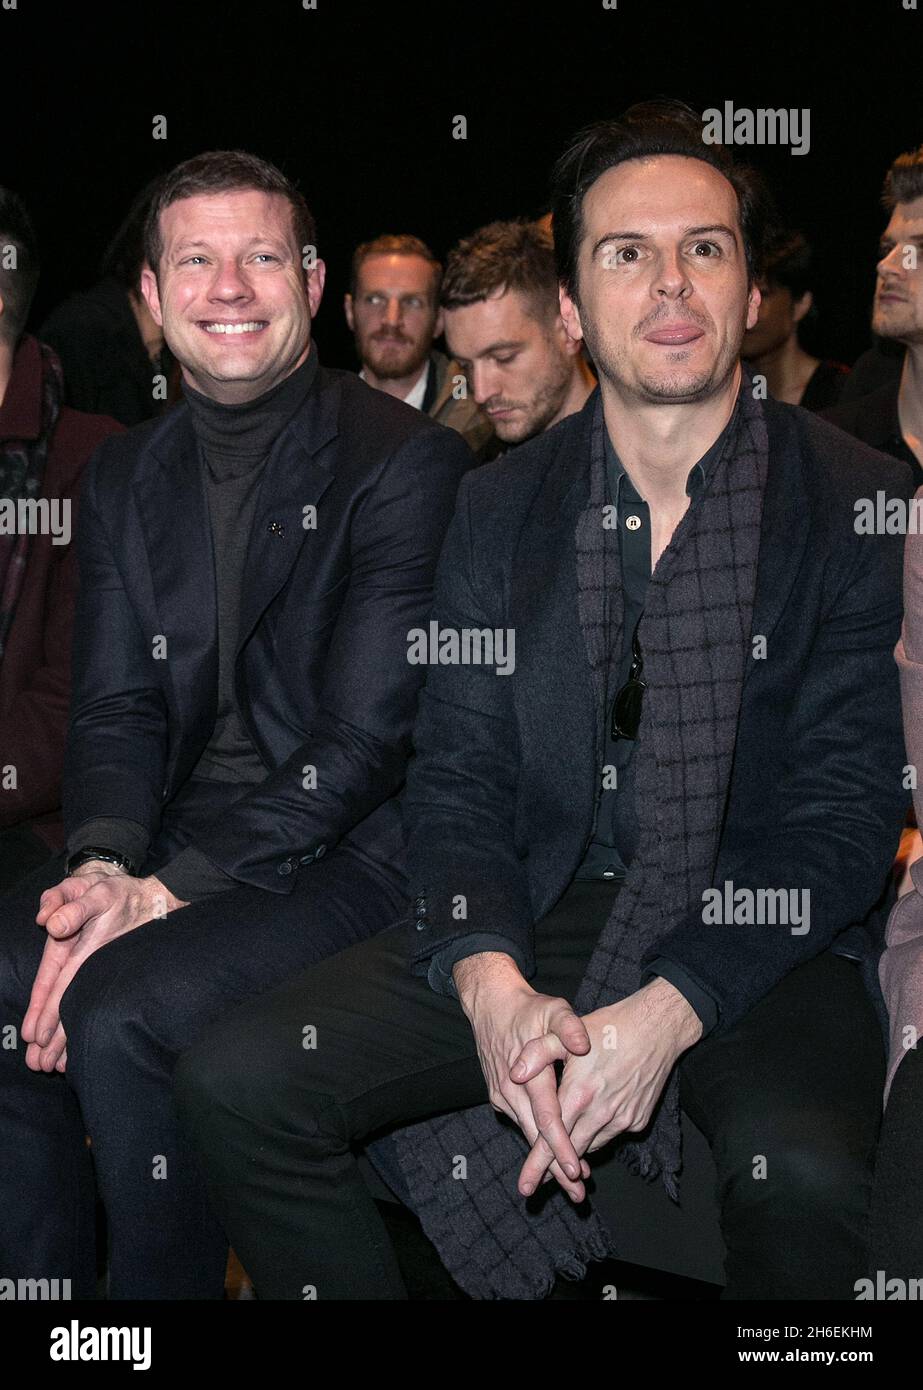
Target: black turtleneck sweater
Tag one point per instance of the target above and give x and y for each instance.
(234, 443)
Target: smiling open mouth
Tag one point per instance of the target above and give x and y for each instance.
(251, 326)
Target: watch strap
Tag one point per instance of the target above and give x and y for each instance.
(103, 853)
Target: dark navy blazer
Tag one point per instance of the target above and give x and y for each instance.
(322, 678)
(500, 795)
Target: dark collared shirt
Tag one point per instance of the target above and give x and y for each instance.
(616, 837)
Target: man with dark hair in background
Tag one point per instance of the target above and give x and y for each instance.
(44, 448)
(392, 308)
(249, 567)
(703, 708)
(890, 418)
(111, 348)
(503, 326)
(772, 348)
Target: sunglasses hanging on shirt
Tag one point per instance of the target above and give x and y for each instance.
(626, 709)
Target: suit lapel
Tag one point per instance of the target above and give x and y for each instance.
(293, 480)
(545, 603)
(784, 527)
(178, 538)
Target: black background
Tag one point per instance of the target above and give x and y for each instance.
(355, 100)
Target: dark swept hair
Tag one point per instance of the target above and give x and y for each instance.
(787, 263)
(224, 171)
(123, 258)
(515, 255)
(402, 244)
(904, 180)
(17, 286)
(647, 129)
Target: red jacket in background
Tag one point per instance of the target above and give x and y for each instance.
(35, 667)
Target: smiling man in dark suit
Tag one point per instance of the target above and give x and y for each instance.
(703, 711)
(250, 566)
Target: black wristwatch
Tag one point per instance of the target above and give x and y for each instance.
(108, 856)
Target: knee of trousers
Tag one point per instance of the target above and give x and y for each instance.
(223, 1089)
(110, 1004)
(801, 1160)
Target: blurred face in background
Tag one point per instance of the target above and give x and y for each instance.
(898, 307)
(394, 315)
(779, 315)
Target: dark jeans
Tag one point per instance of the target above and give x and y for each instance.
(131, 1009)
(796, 1084)
(897, 1200)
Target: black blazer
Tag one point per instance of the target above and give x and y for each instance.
(500, 795)
(875, 420)
(322, 677)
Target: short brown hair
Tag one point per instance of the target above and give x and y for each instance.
(904, 180)
(224, 171)
(402, 244)
(515, 255)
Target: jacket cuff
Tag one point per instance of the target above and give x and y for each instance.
(124, 836)
(699, 998)
(190, 875)
(440, 978)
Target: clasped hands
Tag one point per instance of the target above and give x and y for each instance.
(93, 906)
(616, 1062)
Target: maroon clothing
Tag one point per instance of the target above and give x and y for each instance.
(35, 668)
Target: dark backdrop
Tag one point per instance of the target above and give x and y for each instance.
(356, 98)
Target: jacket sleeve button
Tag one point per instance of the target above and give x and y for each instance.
(285, 867)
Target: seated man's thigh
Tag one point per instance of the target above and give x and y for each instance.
(797, 1081)
(357, 1029)
(361, 1031)
(173, 975)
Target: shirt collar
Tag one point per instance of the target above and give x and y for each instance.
(415, 396)
(698, 473)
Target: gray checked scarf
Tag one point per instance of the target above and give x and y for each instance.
(695, 636)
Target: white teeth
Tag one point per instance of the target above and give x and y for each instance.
(234, 327)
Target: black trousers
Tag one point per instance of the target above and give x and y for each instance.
(130, 1010)
(789, 1101)
(897, 1199)
(21, 852)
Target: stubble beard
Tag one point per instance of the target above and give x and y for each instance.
(391, 366)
